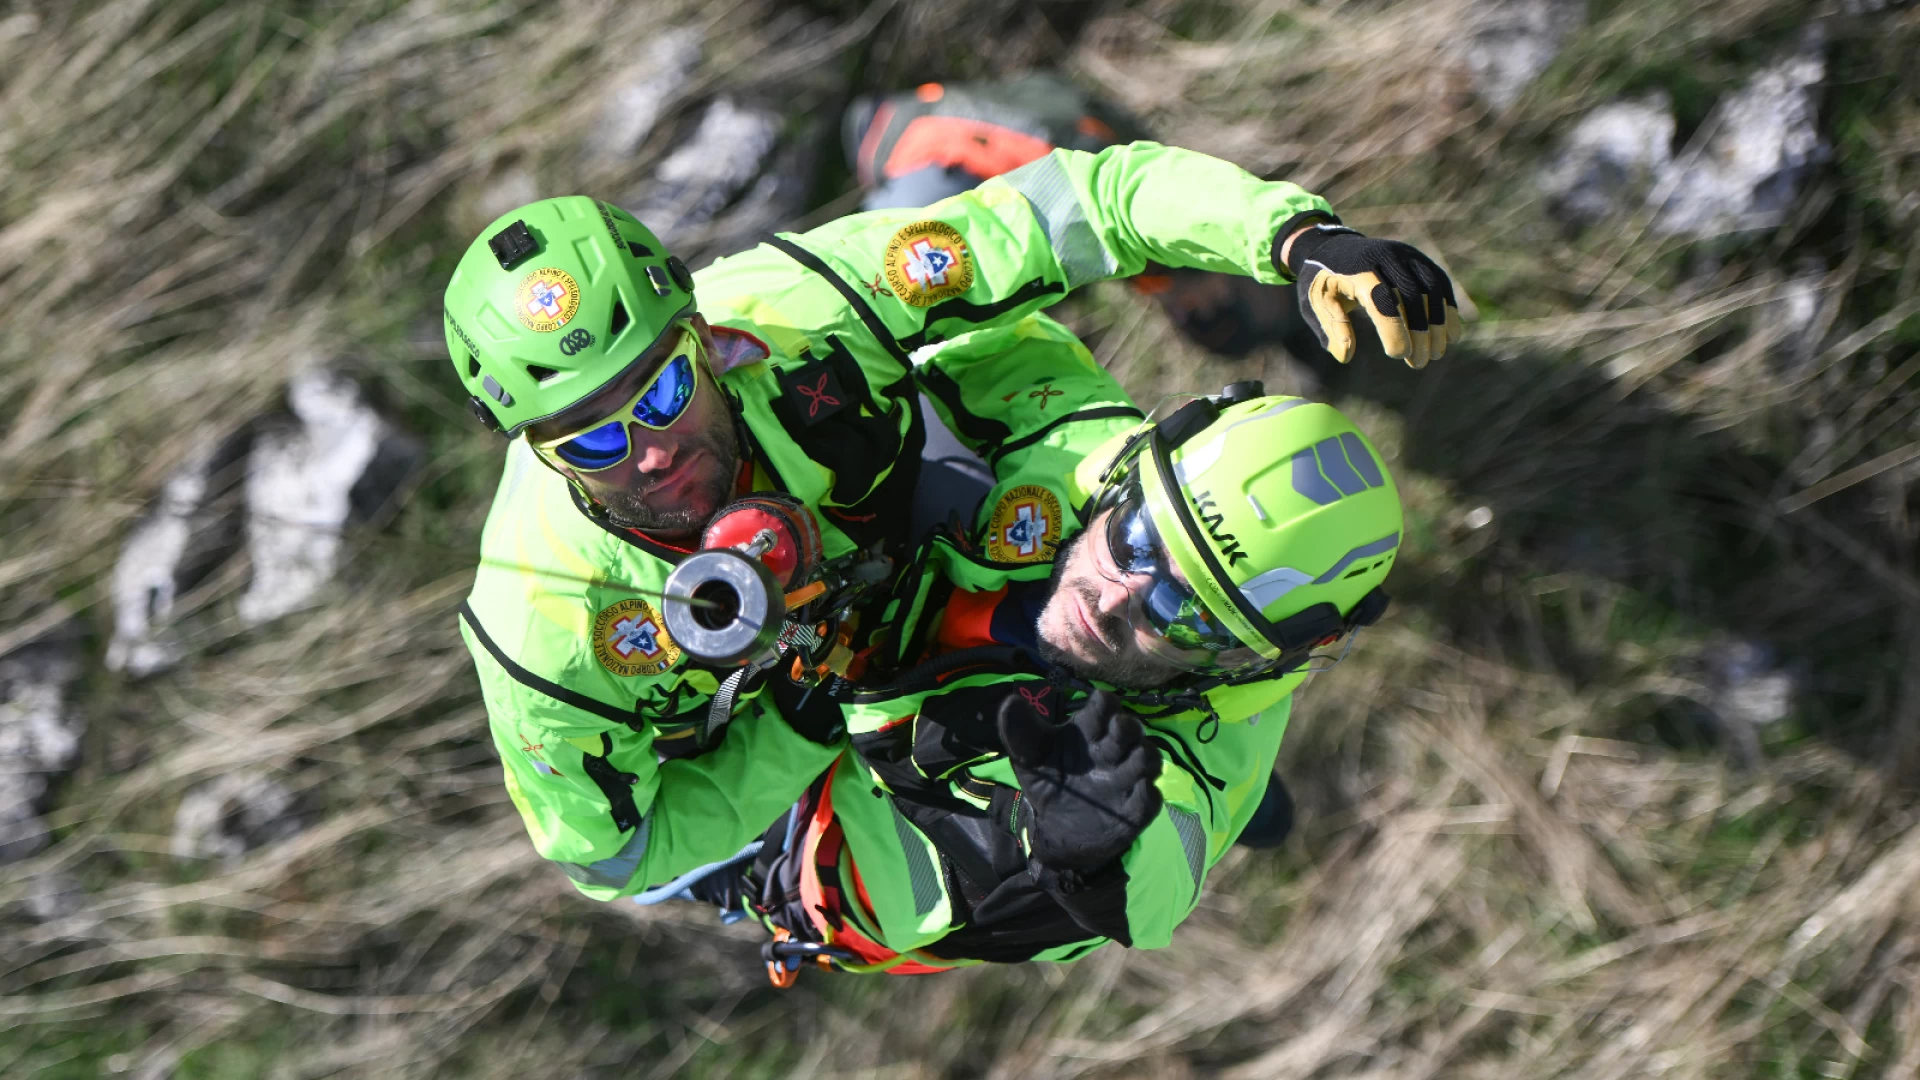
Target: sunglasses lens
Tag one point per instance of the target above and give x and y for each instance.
(669, 395)
(596, 449)
(1131, 536)
(1178, 616)
(1165, 609)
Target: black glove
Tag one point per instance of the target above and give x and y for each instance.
(1088, 783)
(1405, 293)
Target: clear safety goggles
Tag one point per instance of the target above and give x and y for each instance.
(657, 405)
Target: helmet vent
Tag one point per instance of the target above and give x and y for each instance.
(541, 373)
(473, 367)
(620, 318)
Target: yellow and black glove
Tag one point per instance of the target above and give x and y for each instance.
(1405, 293)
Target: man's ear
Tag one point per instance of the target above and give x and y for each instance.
(708, 348)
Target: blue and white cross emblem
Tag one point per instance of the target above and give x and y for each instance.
(632, 634)
(1027, 529)
(546, 299)
(927, 265)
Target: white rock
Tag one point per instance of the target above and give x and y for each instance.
(635, 106)
(300, 488)
(1508, 44)
(1610, 158)
(722, 157)
(39, 739)
(229, 816)
(1760, 146)
(165, 554)
(21, 833)
(1791, 323)
(19, 25)
(53, 896)
(1746, 684)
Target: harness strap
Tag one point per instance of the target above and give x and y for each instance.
(720, 709)
(822, 893)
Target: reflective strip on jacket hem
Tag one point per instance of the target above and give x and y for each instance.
(614, 871)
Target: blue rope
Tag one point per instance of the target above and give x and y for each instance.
(681, 888)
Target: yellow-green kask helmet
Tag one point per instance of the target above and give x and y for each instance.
(1276, 512)
(552, 302)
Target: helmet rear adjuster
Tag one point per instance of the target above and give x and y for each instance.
(483, 414)
(1187, 421)
(1244, 390)
(1199, 414)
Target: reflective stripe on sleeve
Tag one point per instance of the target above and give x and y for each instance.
(1193, 842)
(1045, 184)
(922, 875)
(614, 871)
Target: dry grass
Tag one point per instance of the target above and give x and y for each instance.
(1508, 867)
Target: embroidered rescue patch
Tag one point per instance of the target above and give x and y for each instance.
(1025, 525)
(546, 299)
(928, 262)
(629, 639)
(813, 392)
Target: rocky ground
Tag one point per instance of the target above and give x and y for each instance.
(1624, 787)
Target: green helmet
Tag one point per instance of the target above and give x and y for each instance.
(1276, 510)
(554, 301)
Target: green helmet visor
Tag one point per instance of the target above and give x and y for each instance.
(1168, 619)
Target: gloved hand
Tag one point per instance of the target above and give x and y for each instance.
(1405, 293)
(1088, 783)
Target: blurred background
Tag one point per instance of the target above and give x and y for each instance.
(1623, 786)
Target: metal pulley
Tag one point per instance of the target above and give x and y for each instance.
(728, 601)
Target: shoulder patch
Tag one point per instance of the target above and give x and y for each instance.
(629, 639)
(928, 262)
(1025, 526)
(546, 300)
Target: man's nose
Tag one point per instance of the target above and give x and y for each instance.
(652, 450)
(1113, 597)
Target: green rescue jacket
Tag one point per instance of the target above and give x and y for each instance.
(582, 685)
(943, 857)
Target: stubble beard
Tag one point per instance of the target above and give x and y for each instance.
(629, 509)
(1130, 668)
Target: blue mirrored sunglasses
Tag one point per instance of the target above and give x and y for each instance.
(663, 400)
(1167, 609)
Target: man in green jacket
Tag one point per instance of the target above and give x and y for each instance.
(1056, 753)
(569, 324)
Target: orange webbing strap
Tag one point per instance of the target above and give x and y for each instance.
(823, 895)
